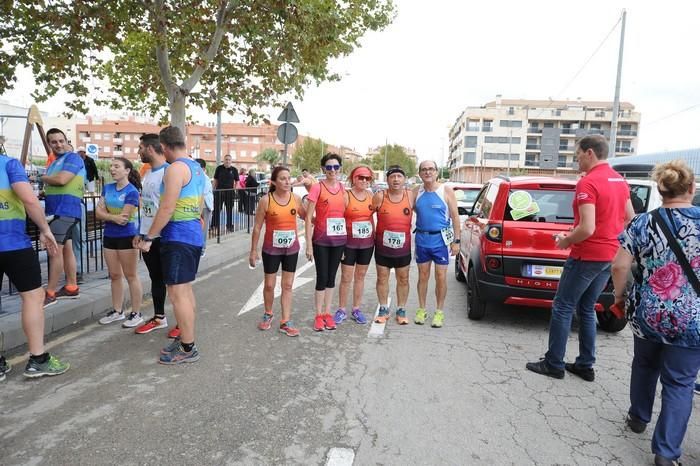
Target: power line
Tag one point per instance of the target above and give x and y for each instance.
(672, 115)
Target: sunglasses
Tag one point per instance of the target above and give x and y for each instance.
(364, 178)
(332, 167)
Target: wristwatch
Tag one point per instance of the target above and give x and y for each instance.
(146, 239)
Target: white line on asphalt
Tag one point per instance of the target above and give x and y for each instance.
(376, 330)
(256, 299)
(340, 457)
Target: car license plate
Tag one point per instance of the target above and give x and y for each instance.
(543, 271)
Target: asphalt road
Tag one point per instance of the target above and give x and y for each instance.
(414, 395)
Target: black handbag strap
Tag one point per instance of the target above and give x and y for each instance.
(680, 256)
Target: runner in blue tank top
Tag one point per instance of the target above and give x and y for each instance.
(177, 221)
(20, 263)
(437, 238)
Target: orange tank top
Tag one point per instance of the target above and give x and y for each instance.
(359, 221)
(281, 227)
(393, 238)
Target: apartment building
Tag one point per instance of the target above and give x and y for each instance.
(120, 138)
(532, 136)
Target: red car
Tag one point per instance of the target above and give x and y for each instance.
(507, 252)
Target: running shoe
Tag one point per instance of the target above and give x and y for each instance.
(319, 325)
(328, 322)
(437, 319)
(266, 321)
(154, 323)
(401, 316)
(382, 316)
(340, 316)
(172, 346)
(4, 368)
(358, 316)
(52, 366)
(49, 300)
(112, 316)
(174, 332)
(179, 356)
(289, 329)
(134, 320)
(421, 317)
(63, 293)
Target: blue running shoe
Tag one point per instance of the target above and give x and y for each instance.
(340, 316)
(358, 316)
(180, 356)
(382, 316)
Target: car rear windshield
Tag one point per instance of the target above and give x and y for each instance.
(534, 205)
(466, 195)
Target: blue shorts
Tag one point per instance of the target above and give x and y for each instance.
(179, 262)
(440, 255)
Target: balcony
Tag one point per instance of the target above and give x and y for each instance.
(533, 146)
(595, 131)
(568, 131)
(487, 129)
(532, 163)
(624, 150)
(627, 132)
(472, 128)
(566, 148)
(533, 130)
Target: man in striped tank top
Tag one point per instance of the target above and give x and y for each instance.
(394, 208)
(177, 223)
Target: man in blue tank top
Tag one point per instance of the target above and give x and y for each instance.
(177, 221)
(437, 238)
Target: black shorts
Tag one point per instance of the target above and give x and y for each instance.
(271, 262)
(357, 256)
(22, 268)
(179, 261)
(62, 228)
(118, 243)
(392, 262)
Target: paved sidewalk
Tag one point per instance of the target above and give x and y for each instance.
(95, 295)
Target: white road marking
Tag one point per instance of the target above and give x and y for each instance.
(340, 457)
(256, 299)
(376, 330)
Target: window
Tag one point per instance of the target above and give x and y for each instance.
(532, 160)
(256, 140)
(207, 151)
(639, 195)
(554, 206)
(500, 156)
(595, 125)
(549, 124)
(107, 136)
(469, 158)
(470, 141)
(501, 140)
(98, 136)
(117, 135)
(127, 137)
(105, 149)
(254, 154)
(484, 203)
(232, 139)
(243, 154)
(511, 124)
(244, 139)
(561, 161)
(127, 150)
(473, 125)
(118, 147)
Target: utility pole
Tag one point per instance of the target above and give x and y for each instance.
(616, 102)
(218, 137)
(510, 144)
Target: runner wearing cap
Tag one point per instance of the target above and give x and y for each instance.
(278, 211)
(325, 242)
(359, 224)
(437, 238)
(394, 208)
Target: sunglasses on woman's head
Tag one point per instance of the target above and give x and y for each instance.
(332, 167)
(364, 178)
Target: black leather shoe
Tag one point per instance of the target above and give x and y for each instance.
(586, 373)
(663, 461)
(635, 424)
(541, 367)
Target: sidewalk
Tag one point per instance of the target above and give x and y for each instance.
(95, 295)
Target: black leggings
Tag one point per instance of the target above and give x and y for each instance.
(155, 271)
(327, 261)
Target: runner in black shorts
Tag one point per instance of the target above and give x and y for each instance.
(359, 223)
(20, 263)
(278, 210)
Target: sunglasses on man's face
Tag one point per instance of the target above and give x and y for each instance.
(332, 167)
(364, 178)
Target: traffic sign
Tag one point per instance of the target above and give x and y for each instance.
(287, 133)
(92, 150)
(288, 115)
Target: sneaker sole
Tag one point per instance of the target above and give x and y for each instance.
(36, 375)
(50, 304)
(110, 322)
(179, 361)
(130, 325)
(288, 334)
(143, 332)
(68, 297)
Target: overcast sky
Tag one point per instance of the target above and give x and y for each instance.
(411, 81)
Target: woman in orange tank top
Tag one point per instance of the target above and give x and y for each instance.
(278, 210)
(359, 224)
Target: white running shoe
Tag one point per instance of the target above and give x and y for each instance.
(112, 316)
(134, 320)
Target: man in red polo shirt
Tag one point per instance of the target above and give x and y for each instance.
(602, 208)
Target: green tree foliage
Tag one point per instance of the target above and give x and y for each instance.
(269, 156)
(308, 154)
(395, 155)
(158, 56)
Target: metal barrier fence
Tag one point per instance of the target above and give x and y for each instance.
(234, 211)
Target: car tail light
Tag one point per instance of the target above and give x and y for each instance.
(494, 232)
(493, 263)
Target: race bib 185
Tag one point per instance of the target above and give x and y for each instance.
(362, 230)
